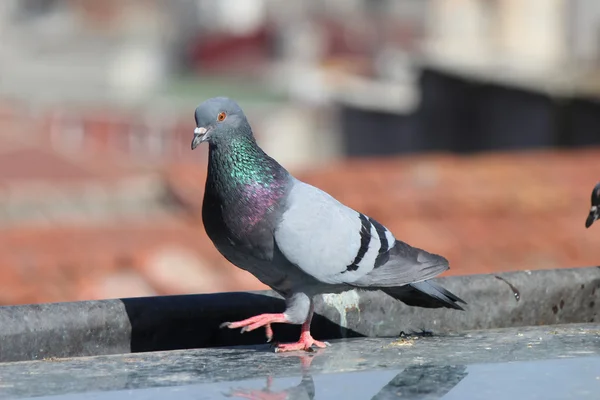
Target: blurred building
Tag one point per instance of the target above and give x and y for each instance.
(100, 195)
(541, 34)
(74, 49)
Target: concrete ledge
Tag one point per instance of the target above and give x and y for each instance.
(562, 360)
(526, 298)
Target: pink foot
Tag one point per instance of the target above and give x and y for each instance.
(265, 394)
(256, 322)
(305, 343)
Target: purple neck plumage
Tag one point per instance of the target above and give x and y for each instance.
(247, 182)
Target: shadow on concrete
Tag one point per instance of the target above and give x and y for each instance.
(192, 321)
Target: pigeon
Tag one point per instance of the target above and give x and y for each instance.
(595, 209)
(296, 238)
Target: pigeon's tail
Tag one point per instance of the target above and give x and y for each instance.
(425, 294)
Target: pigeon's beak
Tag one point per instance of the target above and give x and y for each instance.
(594, 215)
(200, 136)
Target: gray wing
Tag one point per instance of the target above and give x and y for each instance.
(338, 245)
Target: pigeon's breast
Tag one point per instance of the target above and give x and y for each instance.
(254, 208)
(241, 227)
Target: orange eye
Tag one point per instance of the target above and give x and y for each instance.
(221, 117)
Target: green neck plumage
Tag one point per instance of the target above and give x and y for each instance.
(239, 161)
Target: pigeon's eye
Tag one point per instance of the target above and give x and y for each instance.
(221, 117)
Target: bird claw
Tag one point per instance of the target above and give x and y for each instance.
(269, 332)
(306, 343)
(256, 322)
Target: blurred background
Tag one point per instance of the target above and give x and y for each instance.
(468, 127)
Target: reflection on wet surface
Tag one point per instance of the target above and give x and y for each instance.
(553, 379)
(305, 390)
(550, 379)
(423, 382)
(415, 382)
(560, 362)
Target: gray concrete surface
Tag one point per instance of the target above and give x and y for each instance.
(550, 362)
(34, 332)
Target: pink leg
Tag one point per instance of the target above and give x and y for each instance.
(253, 323)
(306, 340)
(265, 394)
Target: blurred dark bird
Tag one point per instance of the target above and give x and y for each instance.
(595, 209)
(295, 238)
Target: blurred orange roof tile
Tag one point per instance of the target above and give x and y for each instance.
(485, 213)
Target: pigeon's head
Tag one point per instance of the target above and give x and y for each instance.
(219, 119)
(595, 210)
